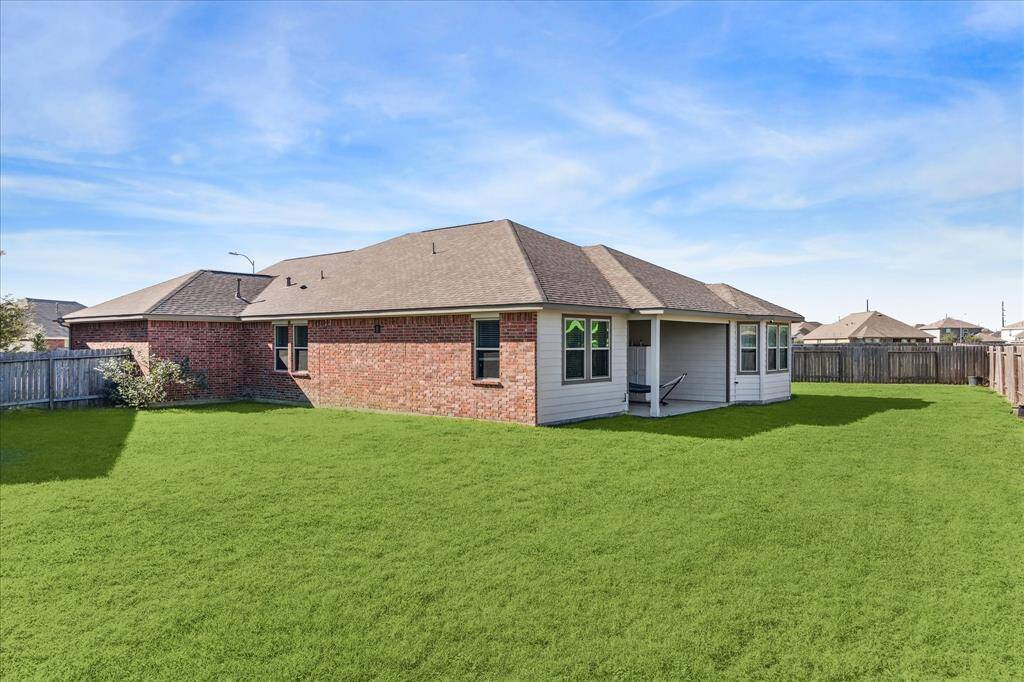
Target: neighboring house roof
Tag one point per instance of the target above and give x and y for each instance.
(870, 324)
(951, 323)
(1015, 325)
(495, 263)
(804, 327)
(46, 311)
(990, 337)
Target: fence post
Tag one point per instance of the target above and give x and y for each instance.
(49, 378)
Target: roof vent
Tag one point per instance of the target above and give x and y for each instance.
(238, 287)
(287, 281)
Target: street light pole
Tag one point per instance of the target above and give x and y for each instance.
(251, 261)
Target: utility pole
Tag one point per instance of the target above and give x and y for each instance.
(1003, 319)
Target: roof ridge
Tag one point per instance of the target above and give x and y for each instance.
(611, 253)
(452, 227)
(513, 227)
(173, 291)
(313, 255)
(232, 272)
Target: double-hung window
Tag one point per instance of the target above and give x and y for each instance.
(586, 348)
(487, 350)
(281, 348)
(292, 356)
(777, 355)
(300, 348)
(748, 347)
(784, 347)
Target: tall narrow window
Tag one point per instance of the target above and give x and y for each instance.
(281, 348)
(600, 350)
(748, 347)
(487, 350)
(300, 348)
(784, 347)
(575, 334)
(772, 357)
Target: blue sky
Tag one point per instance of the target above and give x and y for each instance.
(814, 154)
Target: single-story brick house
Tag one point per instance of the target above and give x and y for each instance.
(491, 320)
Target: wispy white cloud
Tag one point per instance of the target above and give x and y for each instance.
(1002, 17)
(60, 78)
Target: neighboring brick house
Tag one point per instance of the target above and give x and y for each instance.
(46, 314)
(491, 320)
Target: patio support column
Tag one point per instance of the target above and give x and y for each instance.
(654, 367)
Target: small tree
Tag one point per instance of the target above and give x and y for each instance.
(39, 342)
(948, 338)
(15, 323)
(132, 387)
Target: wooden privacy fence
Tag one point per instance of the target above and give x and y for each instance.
(890, 363)
(60, 378)
(1006, 372)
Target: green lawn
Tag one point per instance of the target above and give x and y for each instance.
(855, 531)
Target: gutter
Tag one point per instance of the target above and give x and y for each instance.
(419, 312)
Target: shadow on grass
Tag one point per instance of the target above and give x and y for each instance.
(38, 446)
(742, 421)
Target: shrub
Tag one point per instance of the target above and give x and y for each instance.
(129, 385)
(39, 342)
(15, 322)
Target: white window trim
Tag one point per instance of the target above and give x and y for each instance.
(590, 348)
(740, 348)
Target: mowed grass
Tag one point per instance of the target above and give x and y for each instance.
(855, 531)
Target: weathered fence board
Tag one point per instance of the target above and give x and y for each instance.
(59, 378)
(1006, 372)
(889, 363)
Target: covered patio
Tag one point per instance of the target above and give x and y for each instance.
(674, 407)
(662, 350)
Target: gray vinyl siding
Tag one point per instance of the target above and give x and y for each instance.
(557, 402)
(776, 386)
(746, 387)
(764, 386)
(699, 350)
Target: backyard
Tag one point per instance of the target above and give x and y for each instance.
(855, 531)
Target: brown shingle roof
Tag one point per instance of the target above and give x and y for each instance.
(495, 263)
(870, 324)
(1015, 325)
(467, 265)
(203, 293)
(951, 323)
(748, 303)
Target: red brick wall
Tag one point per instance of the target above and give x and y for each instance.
(55, 344)
(423, 364)
(211, 349)
(415, 364)
(260, 381)
(131, 334)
